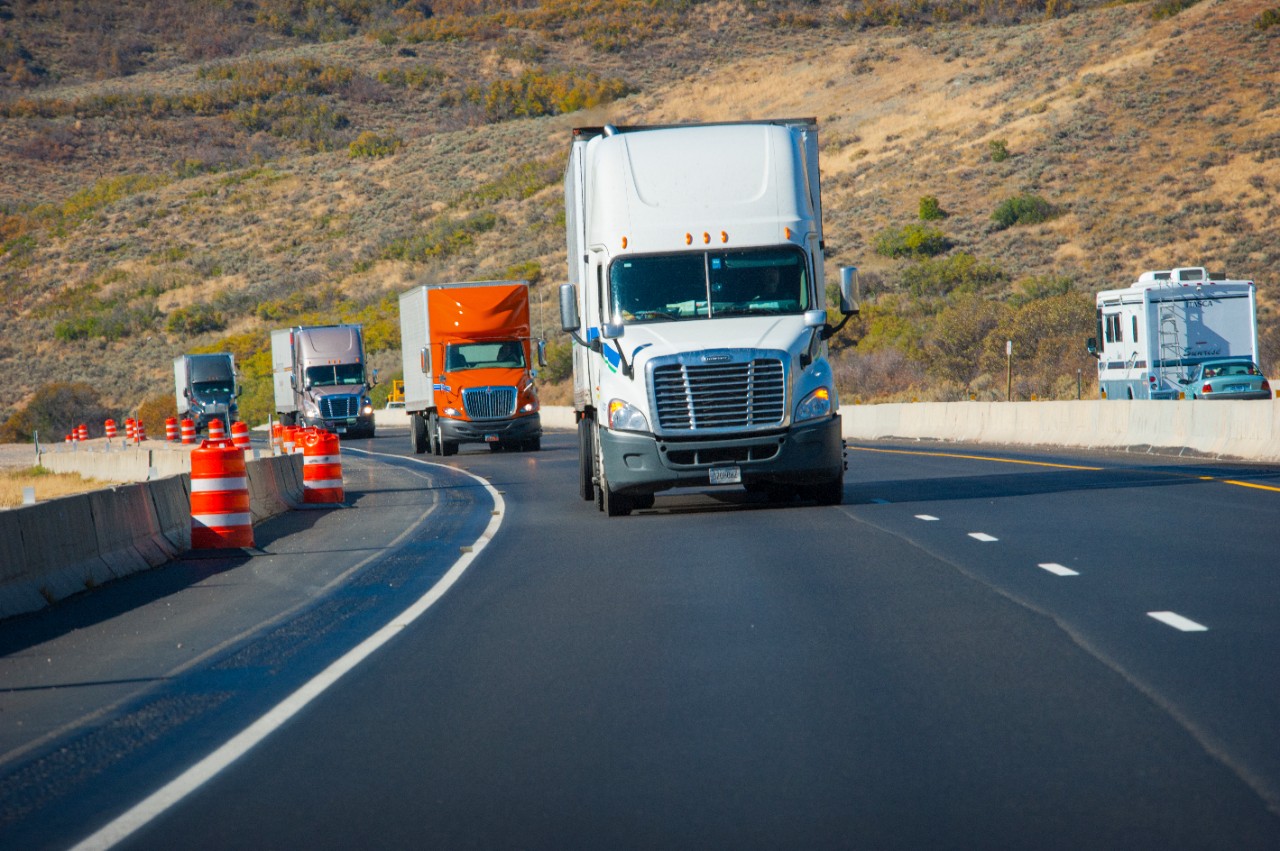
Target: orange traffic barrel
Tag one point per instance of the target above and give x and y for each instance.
(240, 434)
(321, 467)
(188, 431)
(217, 431)
(129, 430)
(139, 431)
(109, 429)
(277, 438)
(288, 438)
(82, 432)
(220, 515)
(171, 432)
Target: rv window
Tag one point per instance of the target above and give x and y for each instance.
(1135, 329)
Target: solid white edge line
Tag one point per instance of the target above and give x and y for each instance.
(209, 767)
(982, 536)
(1178, 622)
(1058, 570)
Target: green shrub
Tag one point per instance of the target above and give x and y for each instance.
(196, 319)
(445, 237)
(1169, 8)
(1024, 209)
(930, 210)
(962, 272)
(1267, 20)
(54, 410)
(998, 150)
(371, 145)
(912, 241)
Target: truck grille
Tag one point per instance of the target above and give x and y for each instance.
(490, 403)
(690, 397)
(339, 407)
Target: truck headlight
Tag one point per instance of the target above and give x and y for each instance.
(310, 409)
(816, 404)
(626, 417)
(366, 406)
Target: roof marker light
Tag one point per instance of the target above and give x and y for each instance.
(786, 232)
(688, 239)
(706, 238)
(724, 237)
(624, 242)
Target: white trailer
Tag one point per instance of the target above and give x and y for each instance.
(695, 265)
(1152, 334)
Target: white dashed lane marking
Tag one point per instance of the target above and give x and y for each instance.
(1058, 570)
(982, 536)
(1178, 622)
(925, 517)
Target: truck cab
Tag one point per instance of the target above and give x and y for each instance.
(320, 379)
(206, 388)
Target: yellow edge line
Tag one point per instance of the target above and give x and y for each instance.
(1250, 485)
(1046, 464)
(974, 458)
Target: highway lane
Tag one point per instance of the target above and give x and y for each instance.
(106, 694)
(720, 672)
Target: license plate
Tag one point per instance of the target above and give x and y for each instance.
(725, 475)
(490, 438)
(340, 429)
(1236, 388)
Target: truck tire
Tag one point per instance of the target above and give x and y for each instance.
(433, 434)
(448, 447)
(614, 504)
(417, 434)
(586, 459)
(826, 493)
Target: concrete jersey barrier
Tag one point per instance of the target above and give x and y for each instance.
(60, 547)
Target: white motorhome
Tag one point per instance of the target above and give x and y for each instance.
(695, 265)
(1153, 333)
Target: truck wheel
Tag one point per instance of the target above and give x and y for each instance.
(614, 504)
(533, 444)
(433, 434)
(827, 493)
(448, 447)
(417, 434)
(586, 456)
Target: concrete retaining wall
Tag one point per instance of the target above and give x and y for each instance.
(1245, 430)
(53, 549)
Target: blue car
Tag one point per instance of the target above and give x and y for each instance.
(1227, 379)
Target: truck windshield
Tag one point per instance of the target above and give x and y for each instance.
(211, 389)
(709, 285)
(332, 375)
(500, 353)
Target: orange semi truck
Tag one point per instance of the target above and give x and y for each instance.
(467, 366)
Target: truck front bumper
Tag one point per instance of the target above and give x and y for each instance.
(343, 426)
(810, 453)
(516, 430)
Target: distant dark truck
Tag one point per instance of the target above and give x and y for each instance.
(319, 377)
(205, 389)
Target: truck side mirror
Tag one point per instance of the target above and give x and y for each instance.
(850, 289)
(569, 320)
(613, 330)
(293, 381)
(374, 383)
(542, 353)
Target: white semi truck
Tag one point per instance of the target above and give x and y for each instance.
(1153, 333)
(205, 389)
(319, 378)
(697, 306)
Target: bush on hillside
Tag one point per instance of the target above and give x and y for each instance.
(54, 410)
(912, 241)
(962, 272)
(1024, 209)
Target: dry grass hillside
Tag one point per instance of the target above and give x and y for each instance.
(189, 175)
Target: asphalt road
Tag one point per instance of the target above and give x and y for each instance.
(976, 650)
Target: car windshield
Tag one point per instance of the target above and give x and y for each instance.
(333, 375)
(709, 285)
(500, 353)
